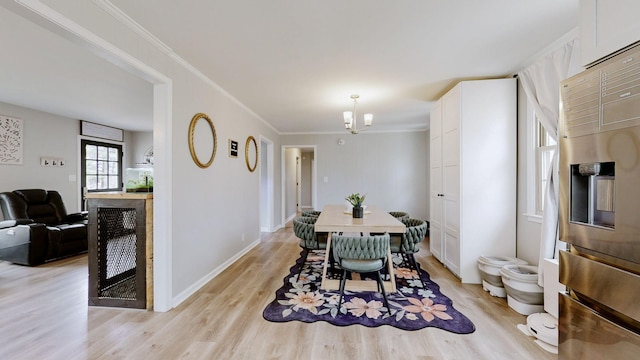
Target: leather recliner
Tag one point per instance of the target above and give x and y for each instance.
(64, 235)
(23, 242)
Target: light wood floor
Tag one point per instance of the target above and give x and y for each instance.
(44, 315)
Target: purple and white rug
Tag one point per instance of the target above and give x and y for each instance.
(412, 306)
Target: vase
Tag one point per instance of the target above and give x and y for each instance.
(358, 212)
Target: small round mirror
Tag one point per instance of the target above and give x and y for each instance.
(251, 153)
(200, 142)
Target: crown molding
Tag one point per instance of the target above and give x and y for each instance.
(47, 17)
(346, 133)
(132, 25)
(123, 18)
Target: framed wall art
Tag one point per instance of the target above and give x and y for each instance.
(11, 140)
(233, 148)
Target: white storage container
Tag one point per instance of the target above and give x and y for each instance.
(489, 267)
(524, 295)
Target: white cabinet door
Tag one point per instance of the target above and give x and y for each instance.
(435, 178)
(435, 237)
(451, 179)
(607, 26)
(473, 175)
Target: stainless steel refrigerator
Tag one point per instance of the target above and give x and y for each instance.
(599, 201)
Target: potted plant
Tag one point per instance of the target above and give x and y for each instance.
(356, 200)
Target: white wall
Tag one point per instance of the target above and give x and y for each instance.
(44, 135)
(215, 211)
(391, 168)
(140, 142)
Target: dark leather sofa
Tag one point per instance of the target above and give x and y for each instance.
(37, 228)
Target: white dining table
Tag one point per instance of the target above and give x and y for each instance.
(337, 218)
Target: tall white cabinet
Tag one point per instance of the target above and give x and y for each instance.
(473, 155)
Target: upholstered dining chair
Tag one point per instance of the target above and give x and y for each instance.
(408, 244)
(311, 213)
(304, 228)
(361, 254)
(315, 214)
(400, 215)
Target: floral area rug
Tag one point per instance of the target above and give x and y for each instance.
(412, 306)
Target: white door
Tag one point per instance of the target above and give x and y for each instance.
(266, 184)
(435, 177)
(451, 180)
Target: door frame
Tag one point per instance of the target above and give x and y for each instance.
(283, 177)
(81, 162)
(266, 175)
(50, 19)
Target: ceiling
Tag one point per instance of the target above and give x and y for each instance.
(44, 71)
(294, 63)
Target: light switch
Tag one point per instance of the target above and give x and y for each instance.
(72, 178)
(326, 179)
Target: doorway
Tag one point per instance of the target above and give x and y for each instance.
(298, 179)
(57, 23)
(266, 184)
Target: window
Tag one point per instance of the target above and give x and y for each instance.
(101, 166)
(545, 148)
(541, 148)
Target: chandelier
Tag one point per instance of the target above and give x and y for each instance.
(350, 122)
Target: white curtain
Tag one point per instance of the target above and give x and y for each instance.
(541, 83)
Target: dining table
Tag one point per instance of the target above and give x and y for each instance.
(339, 219)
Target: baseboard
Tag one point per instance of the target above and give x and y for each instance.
(205, 279)
(290, 218)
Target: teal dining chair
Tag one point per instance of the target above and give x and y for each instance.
(400, 215)
(311, 213)
(408, 243)
(304, 229)
(361, 254)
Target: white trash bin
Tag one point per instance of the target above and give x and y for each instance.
(489, 267)
(524, 295)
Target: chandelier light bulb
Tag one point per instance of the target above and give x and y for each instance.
(348, 118)
(368, 119)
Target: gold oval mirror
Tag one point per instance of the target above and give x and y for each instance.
(251, 153)
(192, 147)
